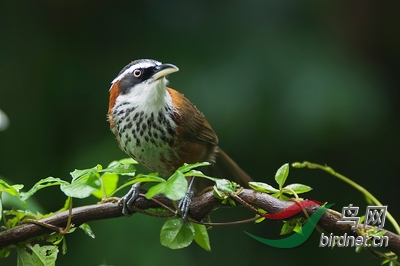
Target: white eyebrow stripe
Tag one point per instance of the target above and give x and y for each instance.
(132, 68)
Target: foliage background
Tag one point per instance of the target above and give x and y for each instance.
(280, 81)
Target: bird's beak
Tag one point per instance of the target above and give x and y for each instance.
(164, 70)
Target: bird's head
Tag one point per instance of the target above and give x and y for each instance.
(142, 80)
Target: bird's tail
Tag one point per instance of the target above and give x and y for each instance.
(223, 167)
(228, 168)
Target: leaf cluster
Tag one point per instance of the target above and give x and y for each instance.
(101, 183)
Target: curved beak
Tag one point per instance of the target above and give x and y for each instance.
(164, 70)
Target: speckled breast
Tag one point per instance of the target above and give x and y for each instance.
(148, 137)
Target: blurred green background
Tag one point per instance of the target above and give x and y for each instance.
(279, 81)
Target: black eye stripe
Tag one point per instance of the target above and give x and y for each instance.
(148, 72)
(130, 79)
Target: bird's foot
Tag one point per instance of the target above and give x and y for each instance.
(130, 198)
(184, 204)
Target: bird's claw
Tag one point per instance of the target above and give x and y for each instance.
(184, 204)
(129, 199)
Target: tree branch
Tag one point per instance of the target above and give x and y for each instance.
(201, 206)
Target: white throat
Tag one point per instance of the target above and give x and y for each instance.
(150, 96)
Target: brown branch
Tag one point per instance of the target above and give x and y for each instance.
(200, 208)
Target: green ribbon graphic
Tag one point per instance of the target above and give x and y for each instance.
(298, 238)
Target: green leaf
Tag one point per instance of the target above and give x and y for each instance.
(261, 218)
(4, 253)
(121, 167)
(219, 194)
(362, 218)
(86, 172)
(198, 173)
(15, 216)
(298, 188)
(83, 185)
(293, 225)
(157, 189)
(37, 255)
(201, 236)
(232, 202)
(175, 234)
(282, 174)
(174, 188)
(10, 189)
(110, 182)
(262, 187)
(359, 249)
(55, 239)
(375, 232)
(64, 246)
(281, 196)
(152, 177)
(287, 228)
(225, 185)
(86, 228)
(43, 183)
(187, 167)
(298, 227)
(123, 161)
(71, 229)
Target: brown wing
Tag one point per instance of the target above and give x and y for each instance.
(197, 128)
(198, 141)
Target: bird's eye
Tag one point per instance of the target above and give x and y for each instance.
(137, 73)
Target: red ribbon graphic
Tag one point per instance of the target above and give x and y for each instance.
(292, 209)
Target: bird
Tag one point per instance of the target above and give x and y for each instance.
(160, 128)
